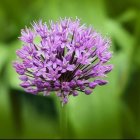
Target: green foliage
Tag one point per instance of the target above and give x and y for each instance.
(111, 111)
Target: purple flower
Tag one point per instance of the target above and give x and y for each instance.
(27, 35)
(65, 66)
(41, 29)
(88, 91)
(69, 58)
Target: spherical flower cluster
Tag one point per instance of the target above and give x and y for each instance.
(65, 57)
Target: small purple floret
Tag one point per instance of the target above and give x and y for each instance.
(87, 91)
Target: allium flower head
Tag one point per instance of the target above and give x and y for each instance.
(69, 57)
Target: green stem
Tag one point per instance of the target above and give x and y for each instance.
(63, 121)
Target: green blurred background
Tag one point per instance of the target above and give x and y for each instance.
(112, 111)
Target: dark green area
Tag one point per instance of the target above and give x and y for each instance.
(112, 111)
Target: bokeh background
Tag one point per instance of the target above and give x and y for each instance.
(112, 111)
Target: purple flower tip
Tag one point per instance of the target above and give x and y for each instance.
(65, 59)
(75, 93)
(87, 91)
(92, 85)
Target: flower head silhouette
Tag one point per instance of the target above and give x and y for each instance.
(69, 57)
